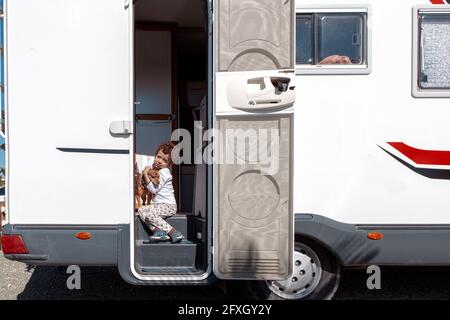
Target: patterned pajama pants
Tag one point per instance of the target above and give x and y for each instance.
(154, 214)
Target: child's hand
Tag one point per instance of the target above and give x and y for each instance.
(154, 176)
(145, 175)
(147, 169)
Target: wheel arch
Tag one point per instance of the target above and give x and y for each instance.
(298, 237)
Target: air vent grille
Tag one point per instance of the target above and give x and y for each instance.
(254, 265)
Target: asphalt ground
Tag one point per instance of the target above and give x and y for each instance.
(22, 282)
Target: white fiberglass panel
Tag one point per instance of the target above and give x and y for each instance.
(68, 78)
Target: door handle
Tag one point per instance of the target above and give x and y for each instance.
(149, 122)
(120, 128)
(268, 92)
(257, 102)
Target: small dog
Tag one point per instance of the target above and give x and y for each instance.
(142, 196)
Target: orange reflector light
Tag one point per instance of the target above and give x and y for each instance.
(84, 235)
(375, 236)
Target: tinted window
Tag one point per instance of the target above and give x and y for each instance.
(342, 35)
(326, 35)
(304, 28)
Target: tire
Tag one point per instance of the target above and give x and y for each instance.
(320, 283)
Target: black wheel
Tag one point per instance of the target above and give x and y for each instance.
(316, 277)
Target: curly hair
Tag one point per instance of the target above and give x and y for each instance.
(166, 148)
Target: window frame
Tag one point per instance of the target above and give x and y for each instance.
(365, 68)
(417, 90)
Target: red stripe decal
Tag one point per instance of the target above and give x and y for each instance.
(437, 1)
(419, 156)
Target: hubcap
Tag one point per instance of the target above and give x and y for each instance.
(305, 277)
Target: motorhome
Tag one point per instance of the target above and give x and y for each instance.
(355, 94)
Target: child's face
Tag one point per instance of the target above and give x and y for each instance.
(162, 160)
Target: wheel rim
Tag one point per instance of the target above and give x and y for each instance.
(305, 277)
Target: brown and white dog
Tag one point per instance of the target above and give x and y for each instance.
(142, 196)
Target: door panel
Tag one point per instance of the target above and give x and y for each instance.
(68, 79)
(254, 208)
(153, 71)
(254, 98)
(154, 89)
(149, 134)
(255, 35)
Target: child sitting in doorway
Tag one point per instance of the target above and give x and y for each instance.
(163, 204)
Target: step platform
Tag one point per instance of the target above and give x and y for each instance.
(164, 257)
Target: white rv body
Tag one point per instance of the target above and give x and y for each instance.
(342, 120)
(71, 116)
(368, 149)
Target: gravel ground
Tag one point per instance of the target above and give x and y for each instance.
(21, 282)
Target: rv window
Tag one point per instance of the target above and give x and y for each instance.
(326, 42)
(340, 34)
(434, 56)
(304, 35)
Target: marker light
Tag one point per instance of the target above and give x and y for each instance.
(83, 235)
(13, 244)
(375, 236)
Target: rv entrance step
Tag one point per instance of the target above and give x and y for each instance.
(179, 222)
(165, 254)
(167, 271)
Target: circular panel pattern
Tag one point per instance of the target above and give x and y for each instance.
(254, 196)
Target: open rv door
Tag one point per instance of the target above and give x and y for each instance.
(69, 101)
(254, 97)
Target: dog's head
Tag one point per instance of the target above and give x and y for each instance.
(154, 174)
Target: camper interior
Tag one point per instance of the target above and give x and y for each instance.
(171, 70)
